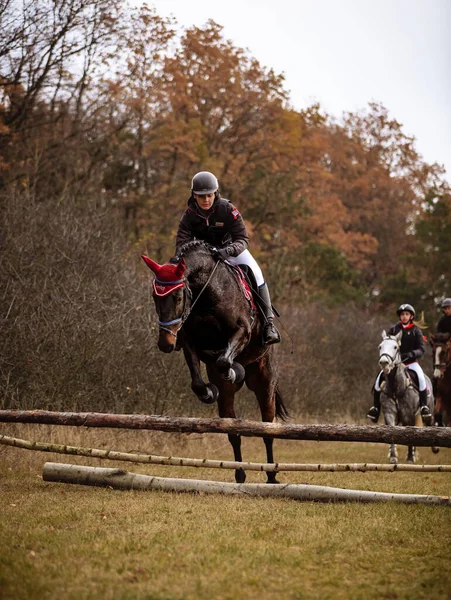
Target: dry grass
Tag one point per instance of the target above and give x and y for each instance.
(78, 542)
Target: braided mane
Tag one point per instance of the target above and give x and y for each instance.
(190, 246)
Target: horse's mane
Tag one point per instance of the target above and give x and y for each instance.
(194, 245)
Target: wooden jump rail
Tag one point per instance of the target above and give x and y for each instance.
(417, 436)
(176, 461)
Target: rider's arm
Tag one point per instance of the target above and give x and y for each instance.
(237, 231)
(419, 344)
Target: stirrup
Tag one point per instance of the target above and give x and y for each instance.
(373, 414)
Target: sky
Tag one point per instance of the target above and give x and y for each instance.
(346, 53)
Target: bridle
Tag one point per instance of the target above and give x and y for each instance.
(187, 305)
(391, 359)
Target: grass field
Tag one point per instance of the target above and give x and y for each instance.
(62, 541)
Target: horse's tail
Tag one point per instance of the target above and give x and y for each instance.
(281, 409)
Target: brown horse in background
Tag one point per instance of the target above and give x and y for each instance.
(202, 308)
(441, 357)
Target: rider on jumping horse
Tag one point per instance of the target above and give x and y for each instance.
(215, 220)
(412, 348)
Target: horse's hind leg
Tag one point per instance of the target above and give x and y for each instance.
(226, 410)
(261, 379)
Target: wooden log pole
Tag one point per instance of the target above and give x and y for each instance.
(417, 436)
(178, 461)
(124, 480)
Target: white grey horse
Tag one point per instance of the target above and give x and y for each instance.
(400, 400)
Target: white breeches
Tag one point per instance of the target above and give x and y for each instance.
(415, 367)
(246, 258)
(421, 378)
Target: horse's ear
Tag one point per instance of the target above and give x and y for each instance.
(384, 334)
(153, 266)
(181, 268)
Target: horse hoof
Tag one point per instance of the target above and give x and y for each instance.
(212, 394)
(393, 460)
(230, 377)
(240, 373)
(240, 476)
(273, 480)
(435, 450)
(223, 364)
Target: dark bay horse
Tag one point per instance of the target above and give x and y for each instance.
(441, 357)
(202, 307)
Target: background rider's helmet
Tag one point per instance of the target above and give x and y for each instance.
(204, 183)
(446, 302)
(407, 307)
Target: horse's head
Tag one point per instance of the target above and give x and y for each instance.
(389, 355)
(441, 353)
(169, 295)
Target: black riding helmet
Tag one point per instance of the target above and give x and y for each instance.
(407, 307)
(204, 183)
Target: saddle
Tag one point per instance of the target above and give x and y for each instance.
(413, 376)
(247, 281)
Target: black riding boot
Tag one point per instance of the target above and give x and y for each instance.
(375, 410)
(270, 333)
(424, 408)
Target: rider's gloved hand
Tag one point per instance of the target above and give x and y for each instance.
(222, 253)
(174, 260)
(408, 357)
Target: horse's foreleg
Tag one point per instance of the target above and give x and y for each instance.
(393, 454)
(438, 411)
(230, 371)
(390, 414)
(206, 392)
(411, 454)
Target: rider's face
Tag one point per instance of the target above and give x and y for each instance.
(405, 317)
(205, 201)
(447, 310)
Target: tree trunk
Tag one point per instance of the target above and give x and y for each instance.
(117, 478)
(409, 436)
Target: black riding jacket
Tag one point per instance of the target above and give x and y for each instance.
(411, 341)
(444, 324)
(222, 226)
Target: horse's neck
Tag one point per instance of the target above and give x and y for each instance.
(397, 379)
(207, 277)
